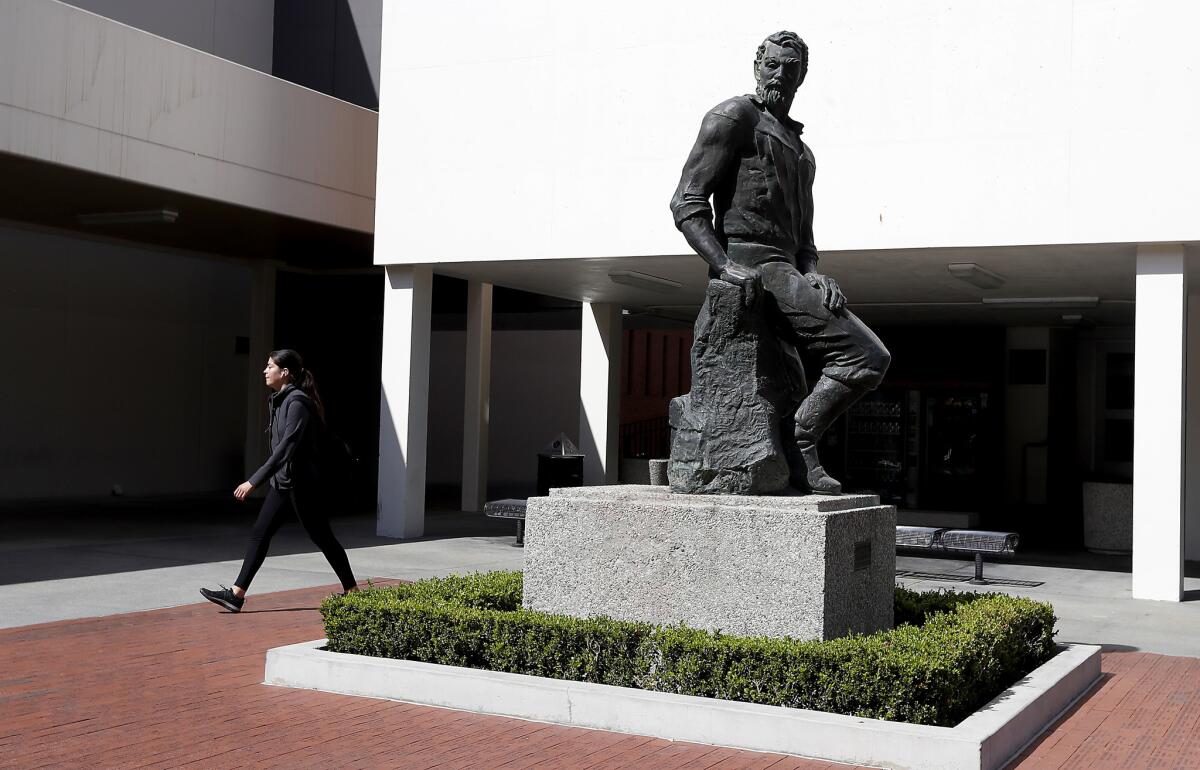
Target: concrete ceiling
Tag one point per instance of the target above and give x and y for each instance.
(884, 287)
(53, 195)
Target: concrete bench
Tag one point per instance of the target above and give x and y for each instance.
(973, 541)
(508, 508)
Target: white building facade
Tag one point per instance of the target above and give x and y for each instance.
(536, 147)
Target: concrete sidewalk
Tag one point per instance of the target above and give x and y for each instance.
(1090, 595)
(76, 562)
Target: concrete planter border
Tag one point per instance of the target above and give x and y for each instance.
(987, 739)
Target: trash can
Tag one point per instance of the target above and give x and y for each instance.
(560, 464)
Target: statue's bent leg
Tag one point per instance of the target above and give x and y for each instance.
(827, 401)
(853, 361)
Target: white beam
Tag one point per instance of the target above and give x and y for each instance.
(476, 398)
(1159, 416)
(404, 401)
(599, 391)
(262, 339)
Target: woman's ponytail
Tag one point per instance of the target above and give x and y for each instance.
(302, 378)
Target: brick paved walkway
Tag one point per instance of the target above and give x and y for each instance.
(180, 687)
(1145, 712)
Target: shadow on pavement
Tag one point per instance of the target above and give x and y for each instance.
(1060, 559)
(57, 540)
(278, 609)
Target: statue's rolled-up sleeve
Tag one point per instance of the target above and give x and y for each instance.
(712, 155)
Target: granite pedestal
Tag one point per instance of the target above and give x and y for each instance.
(809, 567)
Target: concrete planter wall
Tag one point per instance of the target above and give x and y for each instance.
(986, 740)
(1107, 517)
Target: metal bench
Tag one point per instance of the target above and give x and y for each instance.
(508, 508)
(974, 541)
(918, 537)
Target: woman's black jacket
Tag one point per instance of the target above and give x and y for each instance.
(295, 432)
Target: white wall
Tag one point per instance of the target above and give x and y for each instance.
(238, 30)
(560, 128)
(118, 368)
(535, 396)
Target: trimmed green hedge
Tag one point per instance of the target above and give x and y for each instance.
(949, 654)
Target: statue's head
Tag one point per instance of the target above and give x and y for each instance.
(779, 67)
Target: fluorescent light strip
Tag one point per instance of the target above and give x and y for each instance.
(152, 216)
(643, 280)
(1041, 302)
(975, 275)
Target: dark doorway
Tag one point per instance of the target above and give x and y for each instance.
(336, 322)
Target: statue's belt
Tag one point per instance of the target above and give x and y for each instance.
(748, 253)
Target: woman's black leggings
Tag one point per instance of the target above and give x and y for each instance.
(312, 515)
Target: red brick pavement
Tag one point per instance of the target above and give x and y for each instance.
(1144, 713)
(181, 687)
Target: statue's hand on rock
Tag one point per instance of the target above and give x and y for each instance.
(744, 276)
(831, 293)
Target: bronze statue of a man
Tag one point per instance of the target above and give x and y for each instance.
(750, 161)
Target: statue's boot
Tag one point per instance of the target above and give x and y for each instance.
(827, 401)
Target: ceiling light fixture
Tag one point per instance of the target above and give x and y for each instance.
(1041, 302)
(1078, 320)
(975, 275)
(151, 216)
(643, 280)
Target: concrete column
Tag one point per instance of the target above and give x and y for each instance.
(1191, 449)
(1159, 413)
(599, 391)
(477, 394)
(262, 342)
(404, 401)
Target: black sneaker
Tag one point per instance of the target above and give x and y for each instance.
(225, 598)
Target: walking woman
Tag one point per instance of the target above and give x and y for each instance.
(297, 422)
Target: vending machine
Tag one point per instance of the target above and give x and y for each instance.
(877, 438)
(915, 447)
(957, 446)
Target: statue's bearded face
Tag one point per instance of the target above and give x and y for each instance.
(779, 74)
